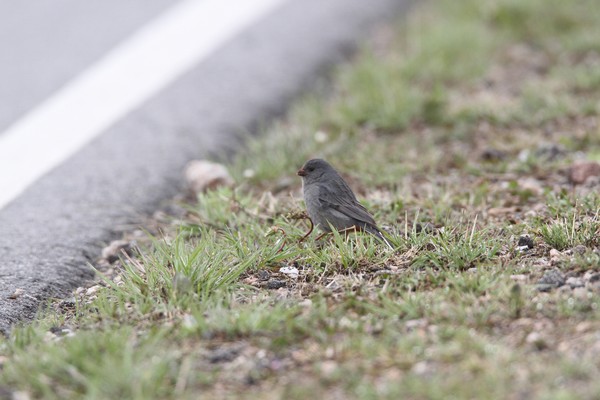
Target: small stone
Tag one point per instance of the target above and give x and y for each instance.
(68, 304)
(582, 170)
(249, 173)
(321, 137)
(20, 395)
(544, 287)
(583, 327)
(202, 175)
(555, 257)
(306, 303)
(594, 281)
(537, 340)
(579, 249)
(574, 282)
(550, 280)
(263, 275)
(413, 324)
(62, 331)
(16, 294)
(92, 290)
(594, 278)
(523, 155)
(526, 240)
(224, 354)
(491, 154)
(531, 185)
(292, 272)
(420, 368)
(112, 252)
(276, 284)
(554, 253)
(550, 151)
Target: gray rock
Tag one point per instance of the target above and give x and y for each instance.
(550, 280)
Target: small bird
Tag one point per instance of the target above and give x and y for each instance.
(330, 201)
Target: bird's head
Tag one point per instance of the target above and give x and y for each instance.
(314, 169)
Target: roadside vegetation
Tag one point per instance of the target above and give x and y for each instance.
(471, 131)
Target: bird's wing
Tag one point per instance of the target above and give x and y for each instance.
(341, 198)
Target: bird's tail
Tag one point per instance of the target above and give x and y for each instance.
(377, 233)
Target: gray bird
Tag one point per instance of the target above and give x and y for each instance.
(330, 201)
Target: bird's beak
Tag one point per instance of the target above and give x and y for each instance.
(301, 172)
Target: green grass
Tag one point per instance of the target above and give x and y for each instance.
(456, 127)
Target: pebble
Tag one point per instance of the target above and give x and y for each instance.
(550, 151)
(415, 323)
(582, 170)
(292, 272)
(202, 175)
(536, 339)
(68, 304)
(306, 303)
(594, 278)
(550, 280)
(532, 185)
(275, 284)
(16, 294)
(579, 249)
(420, 368)
(62, 331)
(92, 290)
(526, 241)
(555, 256)
(263, 275)
(574, 282)
(491, 154)
(112, 252)
(583, 327)
(224, 354)
(321, 137)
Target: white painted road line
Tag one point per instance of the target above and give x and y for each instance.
(118, 83)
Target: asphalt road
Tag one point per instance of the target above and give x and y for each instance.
(50, 233)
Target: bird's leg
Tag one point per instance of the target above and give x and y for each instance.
(346, 231)
(312, 226)
(321, 236)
